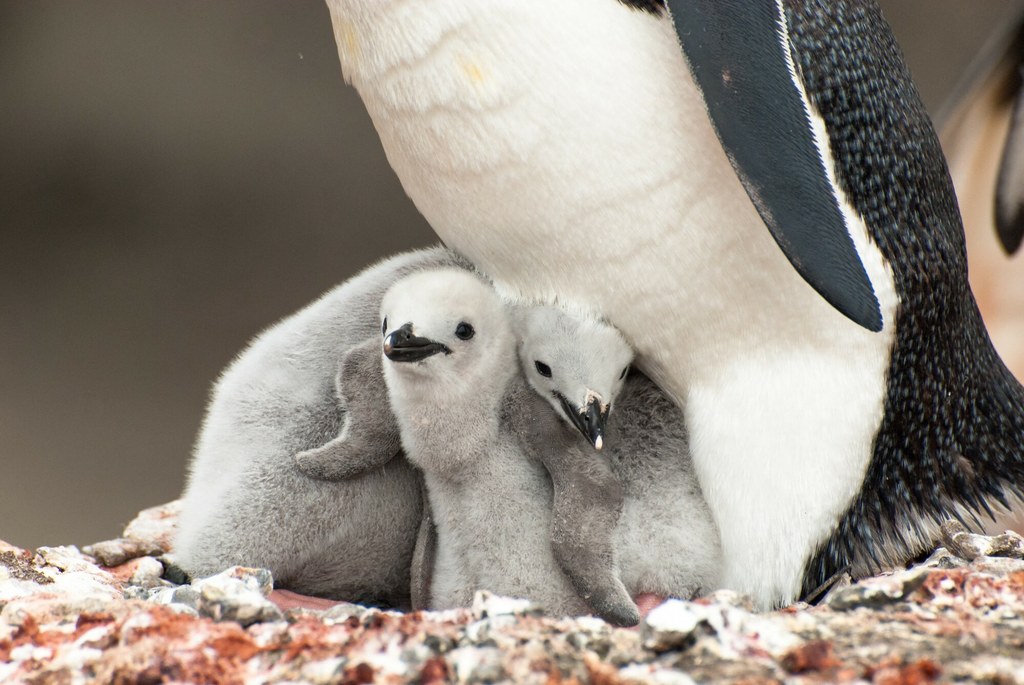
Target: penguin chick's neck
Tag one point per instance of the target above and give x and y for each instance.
(448, 423)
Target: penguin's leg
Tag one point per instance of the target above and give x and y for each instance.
(369, 438)
(586, 508)
(422, 572)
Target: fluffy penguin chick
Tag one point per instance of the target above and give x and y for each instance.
(452, 376)
(576, 364)
(662, 540)
(667, 542)
(247, 503)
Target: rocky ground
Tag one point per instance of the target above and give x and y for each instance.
(117, 612)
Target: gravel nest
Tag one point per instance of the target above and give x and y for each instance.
(120, 612)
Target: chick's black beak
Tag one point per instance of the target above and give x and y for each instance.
(402, 346)
(589, 419)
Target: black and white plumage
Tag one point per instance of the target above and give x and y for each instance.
(247, 503)
(951, 442)
(567, 150)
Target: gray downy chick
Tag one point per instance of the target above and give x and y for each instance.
(628, 519)
(667, 541)
(453, 379)
(576, 364)
(246, 502)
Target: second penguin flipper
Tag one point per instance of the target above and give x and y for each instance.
(739, 56)
(370, 436)
(586, 508)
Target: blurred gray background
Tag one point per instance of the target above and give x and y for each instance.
(174, 177)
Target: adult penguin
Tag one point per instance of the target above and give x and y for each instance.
(841, 393)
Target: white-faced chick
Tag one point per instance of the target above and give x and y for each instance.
(454, 381)
(629, 519)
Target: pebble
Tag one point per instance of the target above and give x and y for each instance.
(487, 604)
(670, 626)
(145, 572)
(986, 669)
(339, 613)
(942, 558)
(156, 525)
(970, 546)
(116, 552)
(238, 594)
(476, 664)
(150, 533)
(644, 673)
(880, 591)
(1000, 566)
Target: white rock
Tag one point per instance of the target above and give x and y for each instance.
(78, 658)
(485, 629)
(83, 585)
(148, 572)
(386, 657)
(476, 664)
(13, 588)
(325, 671)
(669, 625)
(7, 671)
(28, 652)
(163, 595)
(238, 594)
(486, 604)
(994, 669)
(592, 624)
(75, 576)
(645, 673)
(156, 524)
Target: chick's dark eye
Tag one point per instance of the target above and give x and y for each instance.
(623, 374)
(384, 327)
(543, 369)
(464, 331)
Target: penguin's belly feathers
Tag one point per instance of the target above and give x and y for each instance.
(564, 149)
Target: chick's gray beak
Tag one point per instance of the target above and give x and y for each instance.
(590, 419)
(402, 346)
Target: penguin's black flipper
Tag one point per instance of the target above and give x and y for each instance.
(738, 53)
(1010, 184)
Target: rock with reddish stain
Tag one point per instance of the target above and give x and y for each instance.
(149, 534)
(817, 655)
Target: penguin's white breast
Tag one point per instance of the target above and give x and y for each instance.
(564, 149)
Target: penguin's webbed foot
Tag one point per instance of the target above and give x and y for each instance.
(587, 558)
(612, 602)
